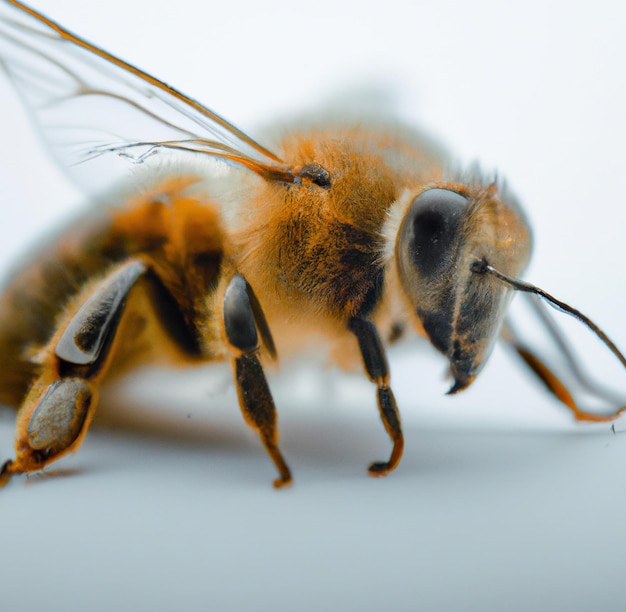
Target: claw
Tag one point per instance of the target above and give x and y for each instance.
(6, 472)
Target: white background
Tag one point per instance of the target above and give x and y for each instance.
(500, 502)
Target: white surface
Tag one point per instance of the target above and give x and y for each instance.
(500, 502)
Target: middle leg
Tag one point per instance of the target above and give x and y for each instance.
(243, 318)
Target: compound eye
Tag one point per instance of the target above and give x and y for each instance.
(432, 227)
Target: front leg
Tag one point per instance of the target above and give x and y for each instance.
(377, 369)
(243, 317)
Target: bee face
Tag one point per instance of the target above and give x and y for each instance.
(443, 232)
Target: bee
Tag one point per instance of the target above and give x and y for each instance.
(222, 250)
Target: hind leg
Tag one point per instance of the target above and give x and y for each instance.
(60, 405)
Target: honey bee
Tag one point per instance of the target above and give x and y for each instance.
(220, 249)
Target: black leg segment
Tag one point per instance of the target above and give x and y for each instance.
(377, 369)
(243, 322)
(244, 317)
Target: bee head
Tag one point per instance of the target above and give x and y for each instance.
(443, 233)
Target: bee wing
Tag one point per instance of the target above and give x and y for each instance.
(100, 115)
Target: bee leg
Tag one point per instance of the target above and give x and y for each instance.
(377, 370)
(60, 404)
(557, 388)
(243, 321)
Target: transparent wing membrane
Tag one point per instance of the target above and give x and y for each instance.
(100, 115)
